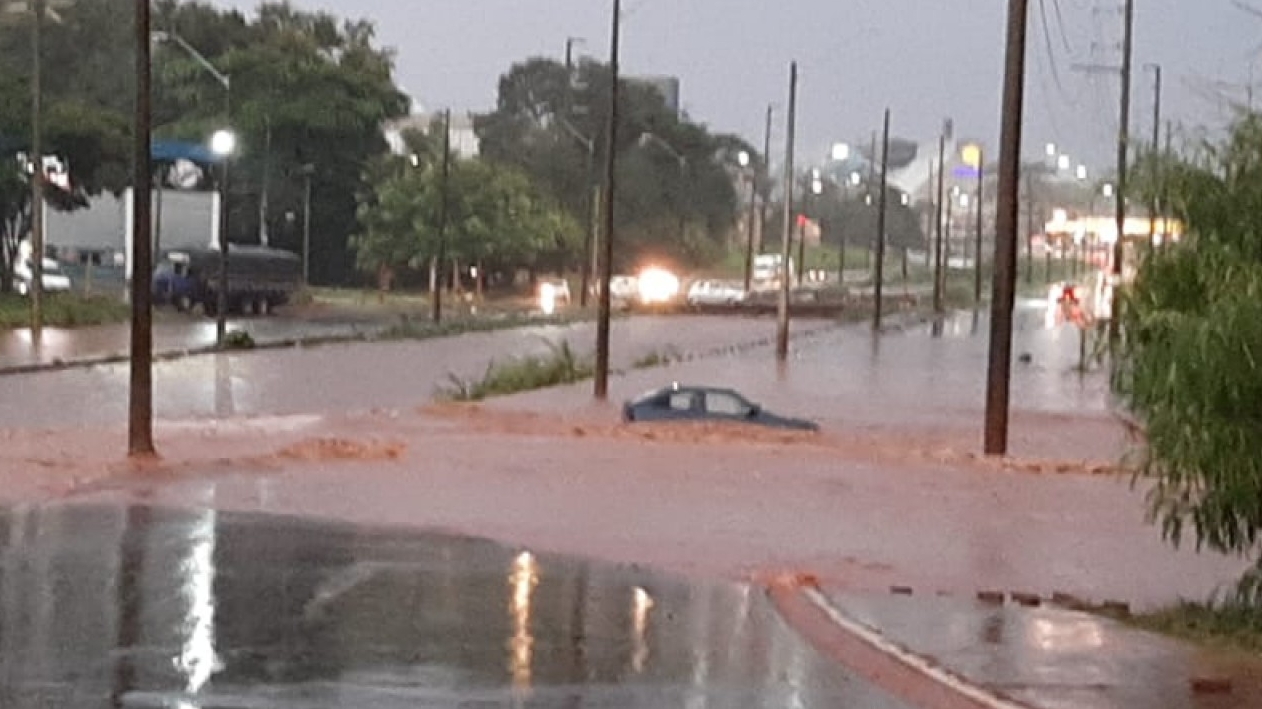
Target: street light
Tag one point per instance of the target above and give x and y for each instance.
(1107, 189)
(1063, 162)
(1081, 172)
(223, 143)
(1050, 149)
(841, 151)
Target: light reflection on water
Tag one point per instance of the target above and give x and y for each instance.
(216, 609)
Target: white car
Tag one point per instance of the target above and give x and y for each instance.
(708, 292)
(54, 279)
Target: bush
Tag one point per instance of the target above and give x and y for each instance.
(559, 366)
(1188, 365)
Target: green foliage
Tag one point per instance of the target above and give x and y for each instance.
(63, 310)
(495, 215)
(1189, 362)
(307, 89)
(1229, 624)
(558, 366)
(666, 209)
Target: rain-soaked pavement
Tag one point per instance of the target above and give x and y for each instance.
(1045, 657)
(175, 333)
(116, 606)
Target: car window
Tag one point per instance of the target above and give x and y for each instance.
(681, 401)
(725, 404)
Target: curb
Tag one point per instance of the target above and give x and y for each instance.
(872, 656)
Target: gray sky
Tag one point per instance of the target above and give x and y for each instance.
(924, 59)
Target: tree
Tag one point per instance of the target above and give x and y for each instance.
(91, 141)
(307, 89)
(496, 217)
(666, 207)
(1189, 365)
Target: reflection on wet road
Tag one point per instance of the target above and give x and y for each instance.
(145, 607)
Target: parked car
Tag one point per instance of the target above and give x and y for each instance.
(700, 403)
(259, 279)
(708, 292)
(54, 279)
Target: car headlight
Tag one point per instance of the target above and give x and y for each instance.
(658, 286)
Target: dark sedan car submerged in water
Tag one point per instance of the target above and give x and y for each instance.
(698, 403)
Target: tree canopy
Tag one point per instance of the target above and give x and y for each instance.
(676, 196)
(1189, 363)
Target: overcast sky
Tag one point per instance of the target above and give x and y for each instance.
(925, 59)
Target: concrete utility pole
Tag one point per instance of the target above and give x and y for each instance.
(1156, 154)
(766, 158)
(601, 378)
(999, 367)
(436, 297)
(140, 381)
(981, 220)
(878, 281)
(782, 309)
(1123, 139)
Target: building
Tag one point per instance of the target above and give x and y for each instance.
(667, 86)
(464, 139)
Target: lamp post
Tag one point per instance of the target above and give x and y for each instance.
(750, 173)
(223, 144)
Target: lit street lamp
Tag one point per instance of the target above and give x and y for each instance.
(223, 143)
(840, 152)
(1081, 172)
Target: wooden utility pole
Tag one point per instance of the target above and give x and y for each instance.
(601, 378)
(786, 252)
(766, 157)
(1157, 164)
(140, 381)
(878, 281)
(999, 366)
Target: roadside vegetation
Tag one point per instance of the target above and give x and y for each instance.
(559, 365)
(1189, 370)
(63, 310)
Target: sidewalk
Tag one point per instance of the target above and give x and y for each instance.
(1009, 655)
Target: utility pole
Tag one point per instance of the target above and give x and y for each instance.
(308, 170)
(880, 225)
(981, 220)
(1123, 139)
(782, 309)
(601, 383)
(868, 200)
(999, 366)
(929, 257)
(1029, 227)
(752, 174)
(1157, 165)
(938, 260)
(766, 157)
(36, 289)
(436, 297)
(140, 381)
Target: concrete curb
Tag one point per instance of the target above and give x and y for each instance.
(869, 654)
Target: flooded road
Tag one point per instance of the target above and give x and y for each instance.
(115, 606)
(337, 378)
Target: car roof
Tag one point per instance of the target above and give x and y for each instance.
(687, 388)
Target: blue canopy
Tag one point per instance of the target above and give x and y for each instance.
(172, 150)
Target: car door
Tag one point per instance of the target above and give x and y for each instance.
(726, 406)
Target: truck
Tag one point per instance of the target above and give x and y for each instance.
(768, 269)
(259, 279)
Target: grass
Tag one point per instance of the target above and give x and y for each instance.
(409, 328)
(559, 365)
(63, 310)
(1229, 624)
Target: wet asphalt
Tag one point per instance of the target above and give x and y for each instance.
(132, 606)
